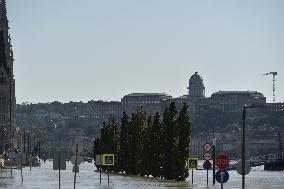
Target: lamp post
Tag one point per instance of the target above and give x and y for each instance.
(243, 141)
(213, 157)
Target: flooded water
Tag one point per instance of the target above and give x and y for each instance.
(45, 178)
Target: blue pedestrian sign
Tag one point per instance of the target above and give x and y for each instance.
(222, 176)
(193, 163)
(108, 159)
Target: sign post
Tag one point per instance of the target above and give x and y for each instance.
(207, 156)
(222, 176)
(59, 163)
(214, 158)
(207, 165)
(222, 162)
(98, 162)
(192, 164)
(107, 159)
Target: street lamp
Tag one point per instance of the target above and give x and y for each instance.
(214, 154)
(243, 141)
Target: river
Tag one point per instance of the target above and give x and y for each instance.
(45, 178)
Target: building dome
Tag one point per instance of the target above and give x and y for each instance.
(196, 80)
(196, 89)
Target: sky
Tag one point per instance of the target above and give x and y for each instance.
(81, 50)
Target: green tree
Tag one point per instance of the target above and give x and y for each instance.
(156, 148)
(184, 140)
(97, 148)
(171, 143)
(123, 155)
(146, 147)
(110, 141)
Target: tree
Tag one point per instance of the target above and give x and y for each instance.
(156, 148)
(184, 140)
(171, 143)
(123, 155)
(110, 141)
(97, 148)
(146, 147)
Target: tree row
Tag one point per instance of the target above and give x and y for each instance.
(148, 145)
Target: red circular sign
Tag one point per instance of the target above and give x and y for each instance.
(222, 161)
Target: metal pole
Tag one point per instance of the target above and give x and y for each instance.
(207, 178)
(100, 174)
(214, 159)
(24, 142)
(75, 165)
(243, 147)
(39, 155)
(30, 157)
(192, 176)
(59, 167)
(21, 164)
(108, 175)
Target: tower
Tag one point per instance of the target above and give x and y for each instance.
(196, 91)
(196, 87)
(7, 82)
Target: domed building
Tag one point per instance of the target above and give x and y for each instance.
(196, 87)
(196, 91)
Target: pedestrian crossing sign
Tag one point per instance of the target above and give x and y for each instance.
(108, 159)
(193, 163)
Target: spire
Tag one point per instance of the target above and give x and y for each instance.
(3, 14)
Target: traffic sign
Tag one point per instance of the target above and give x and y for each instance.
(207, 165)
(247, 152)
(73, 160)
(75, 168)
(247, 167)
(59, 161)
(222, 176)
(80, 148)
(207, 156)
(222, 161)
(108, 159)
(98, 160)
(193, 163)
(207, 147)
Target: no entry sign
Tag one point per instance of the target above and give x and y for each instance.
(222, 162)
(207, 165)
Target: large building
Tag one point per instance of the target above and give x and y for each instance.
(224, 101)
(7, 82)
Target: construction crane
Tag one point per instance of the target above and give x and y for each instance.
(273, 83)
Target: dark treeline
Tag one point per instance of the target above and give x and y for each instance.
(148, 145)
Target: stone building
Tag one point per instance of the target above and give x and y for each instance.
(7, 81)
(151, 102)
(226, 101)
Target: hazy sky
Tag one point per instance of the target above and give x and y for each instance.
(80, 50)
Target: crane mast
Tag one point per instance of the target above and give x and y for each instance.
(273, 83)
